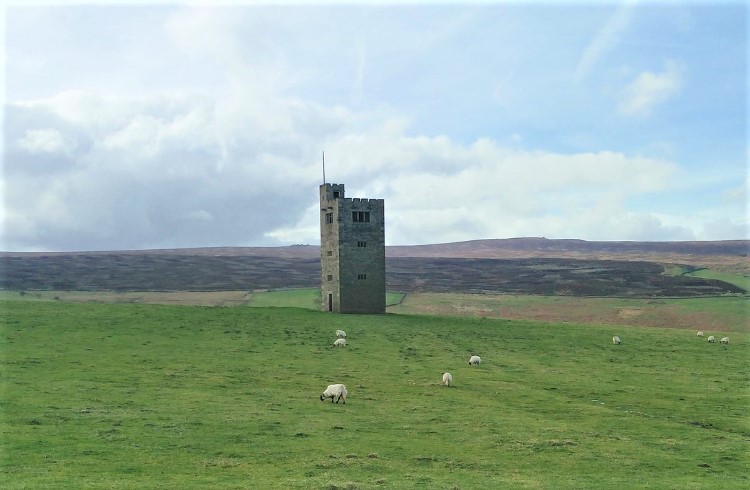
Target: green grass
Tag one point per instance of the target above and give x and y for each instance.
(308, 298)
(742, 281)
(151, 396)
(729, 314)
(203, 298)
(739, 280)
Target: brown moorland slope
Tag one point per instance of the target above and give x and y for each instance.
(727, 255)
(685, 252)
(519, 266)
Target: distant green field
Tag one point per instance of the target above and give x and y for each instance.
(301, 298)
(729, 313)
(296, 298)
(153, 396)
(741, 280)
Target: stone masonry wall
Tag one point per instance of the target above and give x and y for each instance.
(352, 253)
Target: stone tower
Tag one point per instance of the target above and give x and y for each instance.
(352, 252)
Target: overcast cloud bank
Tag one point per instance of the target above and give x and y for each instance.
(222, 145)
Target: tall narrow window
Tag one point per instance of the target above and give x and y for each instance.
(361, 244)
(329, 218)
(361, 276)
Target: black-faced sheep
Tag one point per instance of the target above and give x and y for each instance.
(337, 391)
(340, 334)
(711, 339)
(616, 340)
(724, 340)
(474, 360)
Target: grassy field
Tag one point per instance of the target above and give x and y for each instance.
(728, 314)
(196, 298)
(293, 297)
(742, 281)
(164, 396)
(739, 278)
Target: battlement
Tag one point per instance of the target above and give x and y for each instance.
(363, 200)
(330, 192)
(356, 201)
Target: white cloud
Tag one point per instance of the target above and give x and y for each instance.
(216, 138)
(173, 173)
(731, 216)
(724, 227)
(650, 89)
(45, 141)
(738, 196)
(606, 39)
(186, 170)
(439, 190)
(155, 176)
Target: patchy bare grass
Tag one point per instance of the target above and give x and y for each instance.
(726, 313)
(196, 298)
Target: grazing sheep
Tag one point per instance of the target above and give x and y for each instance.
(724, 340)
(447, 379)
(474, 360)
(339, 343)
(616, 340)
(333, 391)
(700, 334)
(340, 334)
(711, 339)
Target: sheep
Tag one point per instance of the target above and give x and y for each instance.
(333, 391)
(711, 339)
(474, 360)
(447, 379)
(340, 334)
(700, 334)
(724, 340)
(616, 340)
(339, 343)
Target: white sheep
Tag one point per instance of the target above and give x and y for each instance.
(711, 339)
(474, 360)
(340, 334)
(339, 343)
(724, 340)
(616, 340)
(700, 334)
(333, 391)
(447, 379)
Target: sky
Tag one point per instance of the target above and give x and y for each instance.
(136, 126)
